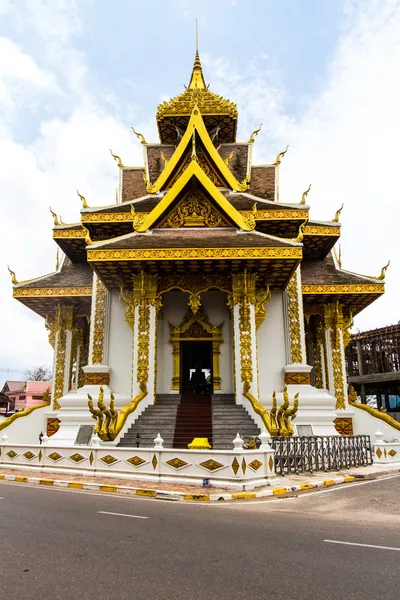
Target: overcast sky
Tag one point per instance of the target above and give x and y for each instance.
(321, 75)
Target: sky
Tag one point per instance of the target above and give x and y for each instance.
(75, 75)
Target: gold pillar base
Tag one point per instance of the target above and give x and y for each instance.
(297, 378)
(97, 379)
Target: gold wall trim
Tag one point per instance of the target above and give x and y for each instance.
(354, 288)
(194, 253)
(124, 217)
(51, 292)
(68, 233)
(295, 316)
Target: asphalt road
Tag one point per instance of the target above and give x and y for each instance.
(64, 545)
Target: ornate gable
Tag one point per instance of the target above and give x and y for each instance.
(194, 210)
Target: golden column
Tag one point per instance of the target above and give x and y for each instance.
(335, 331)
(61, 332)
(97, 372)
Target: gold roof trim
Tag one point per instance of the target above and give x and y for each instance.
(139, 254)
(120, 217)
(350, 288)
(196, 124)
(194, 170)
(276, 215)
(322, 230)
(68, 234)
(51, 292)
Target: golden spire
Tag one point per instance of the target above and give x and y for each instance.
(253, 135)
(140, 136)
(88, 239)
(305, 194)
(280, 156)
(383, 272)
(53, 214)
(116, 158)
(197, 79)
(300, 235)
(83, 200)
(337, 215)
(13, 276)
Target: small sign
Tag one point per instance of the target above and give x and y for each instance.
(304, 430)
(84, 436)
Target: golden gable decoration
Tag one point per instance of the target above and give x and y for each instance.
(194, 211)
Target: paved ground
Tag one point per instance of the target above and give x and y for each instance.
(59, 544)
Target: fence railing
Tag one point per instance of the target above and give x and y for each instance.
(320, 453)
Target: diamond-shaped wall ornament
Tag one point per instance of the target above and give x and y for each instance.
(378, 452)
(270, 463)
(211, 465)
(55, 456)
(29, 455)
(12, 454)
(235, 465)
(154, 462)
(40, 455)
(91, 458)
(255, 464)
(136, 461)
(244, 466)
(392, 452)
(384, 451)
(77, 458)
(176, 463)
(108, 459)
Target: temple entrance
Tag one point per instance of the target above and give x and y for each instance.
(196, 375)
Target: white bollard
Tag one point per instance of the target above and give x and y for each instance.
(238, 442)
(379, 436)
(158, 442)
(264, 437)
(95, 440)
(45, 439)
(4, 438)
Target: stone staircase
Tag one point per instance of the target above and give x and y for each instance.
(228, 419)
(193, 420)
(156, 418)
(179, 420)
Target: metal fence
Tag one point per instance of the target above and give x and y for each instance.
(320, 453)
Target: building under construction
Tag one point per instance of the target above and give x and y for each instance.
(373, 366)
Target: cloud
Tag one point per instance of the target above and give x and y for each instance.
(344, 141)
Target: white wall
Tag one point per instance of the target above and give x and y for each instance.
(174, 310)
(272, 348)
(120, 348)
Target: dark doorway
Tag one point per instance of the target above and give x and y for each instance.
(196, 368)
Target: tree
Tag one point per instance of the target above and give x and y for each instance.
(42, 373)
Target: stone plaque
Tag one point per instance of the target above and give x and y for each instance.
(84, 436)
(304, 430)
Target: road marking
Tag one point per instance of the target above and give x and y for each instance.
(362, 545)
(105, 512)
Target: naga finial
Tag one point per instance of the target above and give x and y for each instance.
(280, 156)
(305, 194)
(254, 134)
(228, 159)
(117, 158)
(300, 235)
(337, 215)
(140, 136)
(164, 159)
(88, 239)
(383, 272)
(13, 276)
(83, 200)
(55, 217)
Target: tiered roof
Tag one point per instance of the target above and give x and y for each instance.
(198, 205)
